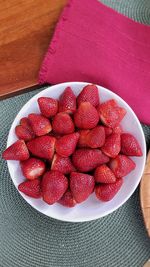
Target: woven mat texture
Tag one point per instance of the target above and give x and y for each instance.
(29, 239)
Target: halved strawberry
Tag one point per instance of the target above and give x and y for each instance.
(103, 174)
(105, 192)
(67, 200)
(96, 137)
(32, 168)
(112, 145)
(40, 124)
(17, 151)
(82, 138)
(54, 185)
(86, 159)
(110, 113)
(130, 146)
(86, 116)
(42, 147)
(81, 186)
(67, 101)
(31, 188)
(89, 94)
(61, 164)
(24, 133)
(122, 165)
(66, 145)
(48, 106)
(63, 123)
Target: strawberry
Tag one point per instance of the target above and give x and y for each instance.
(24, 133)
(40, 124)
(66, 145)
(63, 165)
(86, 116)
(63, 124)
(82, 138)
(105, 192)
(110, 113)
(17, 151)
(86, 159)
(81, 186)
(67, 200)
(103, 174)
(89, 94)
(112, 145)
(117, 129)
(130, 146)
(32, 168)
(54, 185)
(122, 165)
(26, 123)
(31, 188)
(67, 101)
(108, 131)
(48, 106)
(96, 137)
(42, 146)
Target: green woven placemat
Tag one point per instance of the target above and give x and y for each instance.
(29, 239)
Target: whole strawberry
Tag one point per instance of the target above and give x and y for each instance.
(81, 186)
(112, 145)
(63, 124)
(130, 146)
(82, 138)
(54, 185)
(89, 94)
(103, 174)
(62, 164)
(86, 159)
(48, 106)
(67, 200)
(31, 188)
(67, 101)
(86, 116)
(105, 192)
(32, 168)
(23, 133)
(40, 124)
(122, 165)
(96, 137)
(17, 151)
(66, 145)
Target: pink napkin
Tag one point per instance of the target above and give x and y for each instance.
(94, 43)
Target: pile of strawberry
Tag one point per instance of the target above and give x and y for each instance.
(74, 147)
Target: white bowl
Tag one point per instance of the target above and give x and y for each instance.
(92, 208)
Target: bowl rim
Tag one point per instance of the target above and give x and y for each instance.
(93, 217)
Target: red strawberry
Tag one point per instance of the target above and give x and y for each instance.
(31, 188)
(111, 114)
(86, 159)
(122, 165)
(96, 137)
(66, 145)
(54, 185)
(103, 174)
(117, 129)
(17, 151)
(67, 101)
(81, 186)
(24, 133)
(67, 200)
(130, 146)
(32, 168)
(48, 106)
(63, 124)
(106, 192)
(63, 165)
(108, 131)
(26, 123)
(82, 138)
(89, 94)
(40, 124)
(112, 145)
(86, 116)
(42, 146)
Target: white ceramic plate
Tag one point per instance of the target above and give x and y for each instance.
(92, 208)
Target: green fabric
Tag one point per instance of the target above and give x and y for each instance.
(30, 239)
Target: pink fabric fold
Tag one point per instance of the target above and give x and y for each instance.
(94, 43)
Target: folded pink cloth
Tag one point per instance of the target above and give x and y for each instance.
(94, 43)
